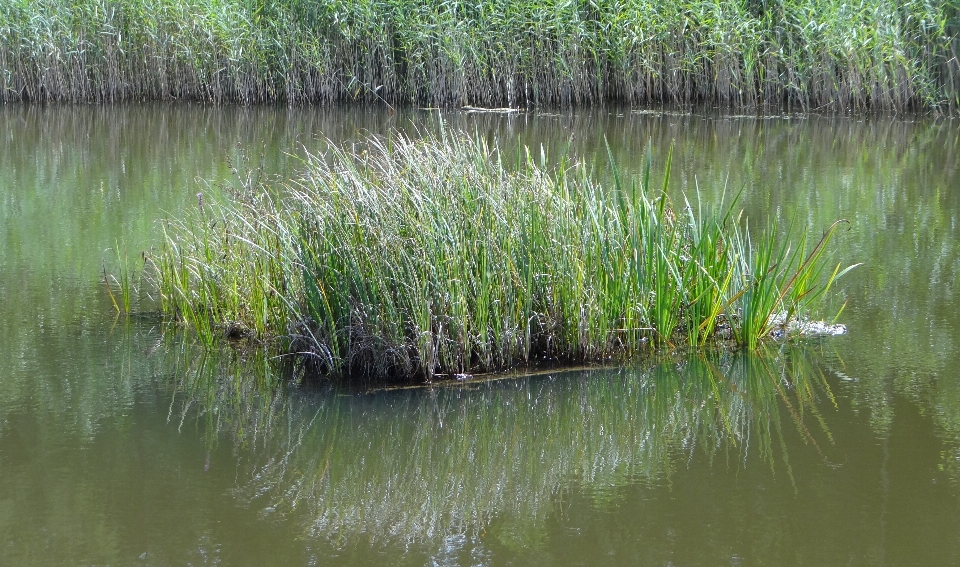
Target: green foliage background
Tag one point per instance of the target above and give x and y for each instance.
(811, 54)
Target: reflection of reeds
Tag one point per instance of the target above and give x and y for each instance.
(873, 54)
(421, 464)
(403, 258)
(242, 395)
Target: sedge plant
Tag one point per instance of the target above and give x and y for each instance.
(430, 257)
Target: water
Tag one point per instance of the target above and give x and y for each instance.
(121, 445)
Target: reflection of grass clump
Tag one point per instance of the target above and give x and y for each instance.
(498, 457)
(428, 257)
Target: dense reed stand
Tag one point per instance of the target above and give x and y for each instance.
(809, 54)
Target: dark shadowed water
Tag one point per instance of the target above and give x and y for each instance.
(123, 445)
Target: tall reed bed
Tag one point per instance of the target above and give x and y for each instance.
(408, 257)
(874, 54)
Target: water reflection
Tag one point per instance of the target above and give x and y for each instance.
(428, 464)
(114, 445)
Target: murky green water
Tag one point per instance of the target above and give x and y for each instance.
(121, 446)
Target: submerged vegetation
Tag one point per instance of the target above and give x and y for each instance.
(429, 257)
(813, 54)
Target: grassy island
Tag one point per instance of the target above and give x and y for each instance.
(807, 54)
(428, 257)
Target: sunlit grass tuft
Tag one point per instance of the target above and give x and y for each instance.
(429, 257)
(120, 285)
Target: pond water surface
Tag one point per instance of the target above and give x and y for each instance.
(122, 444)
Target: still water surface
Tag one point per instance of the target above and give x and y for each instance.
(122, 445)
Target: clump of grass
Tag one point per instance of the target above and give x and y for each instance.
(814, 54)
(120, 285)
(432, 257)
